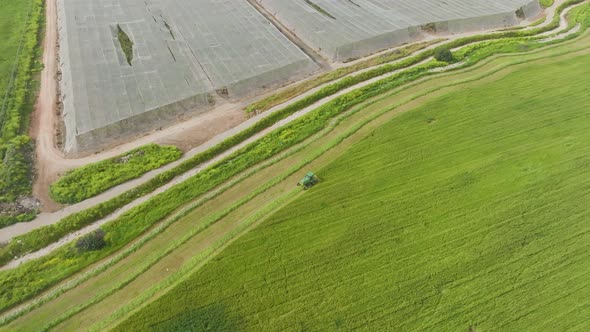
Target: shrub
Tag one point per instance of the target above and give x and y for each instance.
(91, 242)
(443, 54)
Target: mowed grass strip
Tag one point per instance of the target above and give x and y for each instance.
(88, 181)
(470, 211)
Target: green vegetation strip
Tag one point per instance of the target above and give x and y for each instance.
(126, 44)
(20, 24)
(319, 9)
(31, 278)
(441, 219)
(93, 179)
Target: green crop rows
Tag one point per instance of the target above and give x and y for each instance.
(20, 24)
(93, 179)
(444, 218)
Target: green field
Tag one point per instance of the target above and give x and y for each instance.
(469, 211)
(13, 19)
(93, 179)
(20, 24)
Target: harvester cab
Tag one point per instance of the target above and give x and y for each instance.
(308, 181)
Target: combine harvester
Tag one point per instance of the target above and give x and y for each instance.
(308, 181)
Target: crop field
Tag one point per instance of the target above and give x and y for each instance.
(469, 211)
(12, 23)
(20, 23)
(449, 200)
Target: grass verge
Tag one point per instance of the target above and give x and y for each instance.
(93, 179)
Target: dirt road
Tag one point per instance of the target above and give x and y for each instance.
(43, 119)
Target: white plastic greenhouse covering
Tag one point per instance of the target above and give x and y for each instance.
(187, 51)
(184, 51)
(348, 29)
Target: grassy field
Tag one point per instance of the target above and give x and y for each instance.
(101, 299)
(510, 43)
(20, 24)
(55, 266)
(469, 211)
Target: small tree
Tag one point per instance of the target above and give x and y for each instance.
(91, 242)
(443, 54)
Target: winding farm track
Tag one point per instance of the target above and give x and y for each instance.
(51, 160)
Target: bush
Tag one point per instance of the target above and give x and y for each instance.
(91, 242)
(443, 54)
